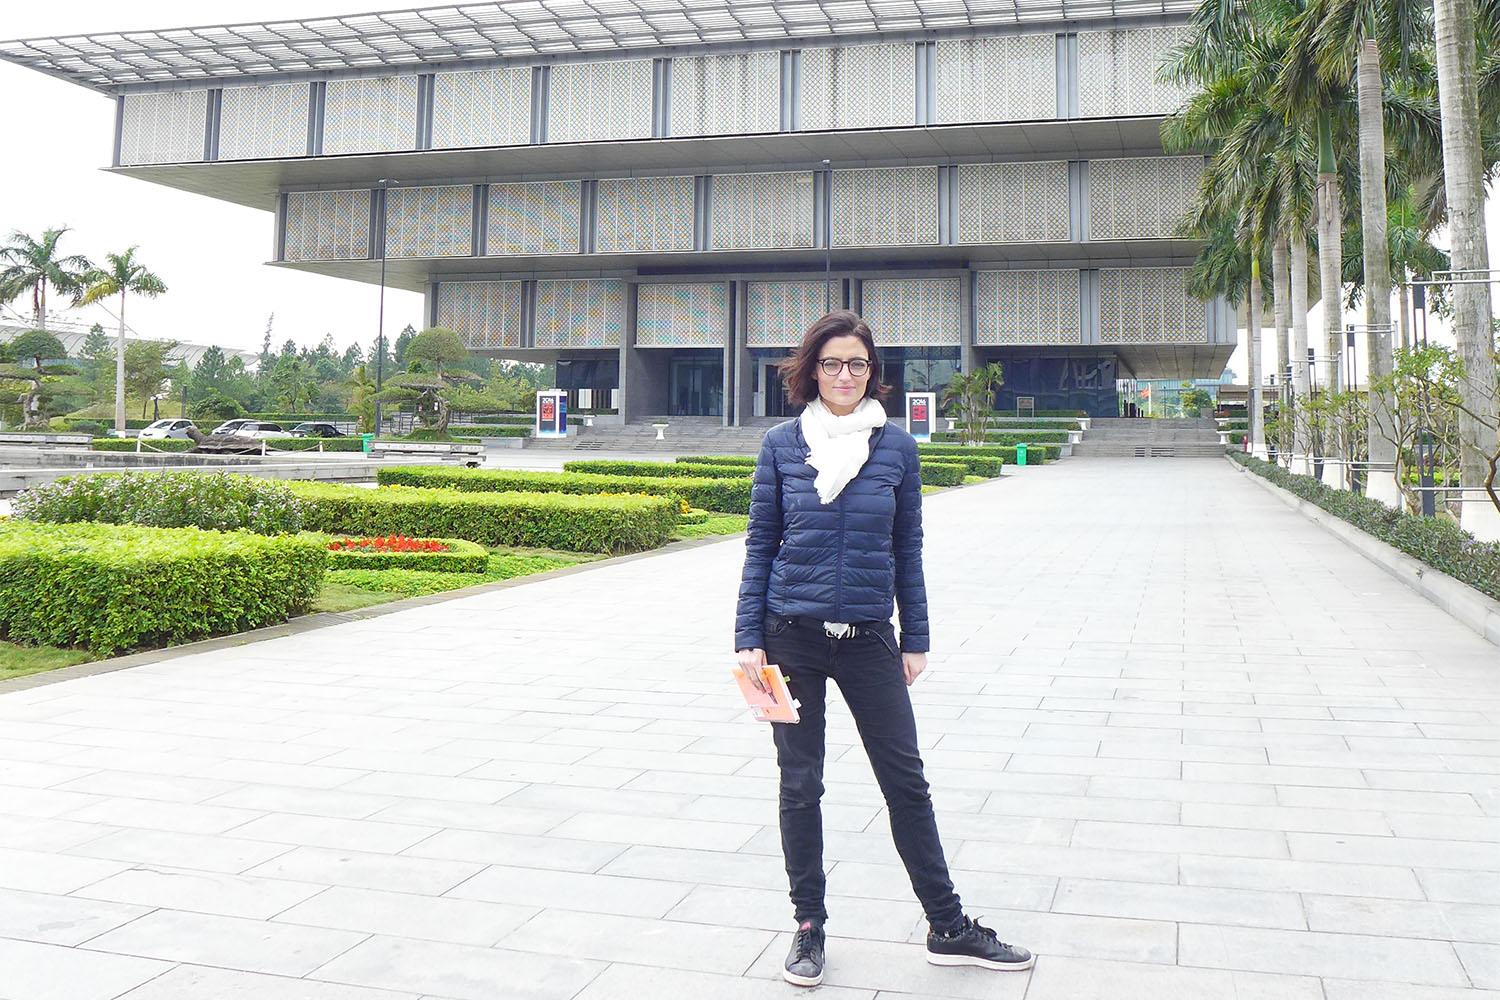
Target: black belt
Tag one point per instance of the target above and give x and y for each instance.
(834, 630)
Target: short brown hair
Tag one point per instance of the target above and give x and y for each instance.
(798, 373)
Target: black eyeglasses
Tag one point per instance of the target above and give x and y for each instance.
(858, 367)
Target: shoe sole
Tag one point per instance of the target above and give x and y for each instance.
(797, 980)
(983, 963)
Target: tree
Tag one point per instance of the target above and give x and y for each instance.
(432, 391)
(403, 341)
(264, 365)
(148, 365)
(36, 347)
(972, 395)
(1463, 183)
(293, 382)
(122, 274)
(34, 265)
(362, 397)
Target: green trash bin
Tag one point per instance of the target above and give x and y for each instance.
(364, 440)
(1021, 453)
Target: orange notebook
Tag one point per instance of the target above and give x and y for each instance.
(774, 705)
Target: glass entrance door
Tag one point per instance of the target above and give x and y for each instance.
(695, 388)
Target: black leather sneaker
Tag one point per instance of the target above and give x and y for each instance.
(804, 963)
(974, 944)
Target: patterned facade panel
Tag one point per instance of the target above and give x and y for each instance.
(885, 206)
(858, 86)
(486, 314)
(263, 122)
(644, 213)
(761, 211)
(164, 128)
(533, 218)
(490, 107)
(1013, 202)
(370, 115)
(688, 315)
(580, 313)
(1149, 305)
(1141, 198)
(1027, 307)
(429, 221)
(778, 313)
(603, 100)
(327, 225)
(1117, 72)
(1004, 79)
(912, 311)
(725, 95)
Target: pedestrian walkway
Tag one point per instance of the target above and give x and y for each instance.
(1183, 744)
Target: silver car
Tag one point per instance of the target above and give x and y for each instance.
(168, 428)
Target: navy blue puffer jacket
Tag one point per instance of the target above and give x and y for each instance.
(847, 561)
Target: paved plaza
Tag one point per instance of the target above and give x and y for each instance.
(1183, 743)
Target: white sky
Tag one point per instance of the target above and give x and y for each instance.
(51, 174)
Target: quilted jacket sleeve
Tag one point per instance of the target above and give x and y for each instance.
(911, 587)
(762, 540)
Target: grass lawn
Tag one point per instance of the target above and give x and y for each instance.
(18, 661)
(716, 524)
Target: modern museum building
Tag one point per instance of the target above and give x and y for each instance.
(658, 196)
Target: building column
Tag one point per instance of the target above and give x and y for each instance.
(968, 360)
(744, 369)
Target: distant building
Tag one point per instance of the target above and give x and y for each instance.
(657, 198)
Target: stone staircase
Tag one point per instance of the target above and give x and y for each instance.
(683, 436)
(1143, 437)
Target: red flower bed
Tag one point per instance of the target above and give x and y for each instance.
(388, 543)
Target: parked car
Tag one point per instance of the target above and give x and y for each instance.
(260, 429)
(231, 426)
(316, 429)
(161, 430)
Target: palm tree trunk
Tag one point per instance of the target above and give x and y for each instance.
(1281, 311)
(1252, 345)
(39, 302)
(1403, 300)
(1380, 426)
(120, 370)
(1301, 447)
(1463, 181)
(1330, 265)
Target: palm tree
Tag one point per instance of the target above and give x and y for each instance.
(1463, 182)
(123, 274)
(34, 265)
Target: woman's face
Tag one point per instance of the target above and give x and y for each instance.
(842, 392)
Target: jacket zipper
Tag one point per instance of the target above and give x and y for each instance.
(838, 591)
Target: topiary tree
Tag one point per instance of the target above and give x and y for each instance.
(29, 374)
(425, 383)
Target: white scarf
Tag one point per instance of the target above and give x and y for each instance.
(838, 446)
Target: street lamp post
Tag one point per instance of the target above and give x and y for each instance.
(385, 185)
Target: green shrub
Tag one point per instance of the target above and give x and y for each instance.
(1011, 423)
(987, 466)
(494, 431)
(717, 460)
(936, 473)
(272, 444)
(129, 444)
(218, 500)
(1237, 437)
(730, 496)
(1001, 437)
(531, 520)
(290, 420)
(605, 467)
(90, 427)
(461, 557)
(1440, 544)
(1036, 454)
(114, 587)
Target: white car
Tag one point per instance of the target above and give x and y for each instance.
(260, 429)
(231, 426)
(164, 429)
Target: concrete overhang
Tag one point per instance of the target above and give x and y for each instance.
(413, 273)
(257, 183)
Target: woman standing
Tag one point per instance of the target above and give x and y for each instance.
(835, 541)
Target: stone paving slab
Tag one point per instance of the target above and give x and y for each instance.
(1182, 742)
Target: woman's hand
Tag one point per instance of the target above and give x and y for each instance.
(751, 660)
(913, 664)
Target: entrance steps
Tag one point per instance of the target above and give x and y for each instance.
(1144, 437)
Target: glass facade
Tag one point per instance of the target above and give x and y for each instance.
(695, 383)
(1066, 383)
(916, 369)
(599, 372)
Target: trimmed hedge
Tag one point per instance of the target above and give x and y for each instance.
(110, 587)
(272, 444)
(1040, 425)
(606, 467)
(212, 500)
(461, 557)
(1000, 437)
(1440, 544)
(728, 496)
(936, 473)
(535, 520)
(748, 460)
(128, 444)
(975, 465)
(1036, 454)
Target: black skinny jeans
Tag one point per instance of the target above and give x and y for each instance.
(867, 669)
